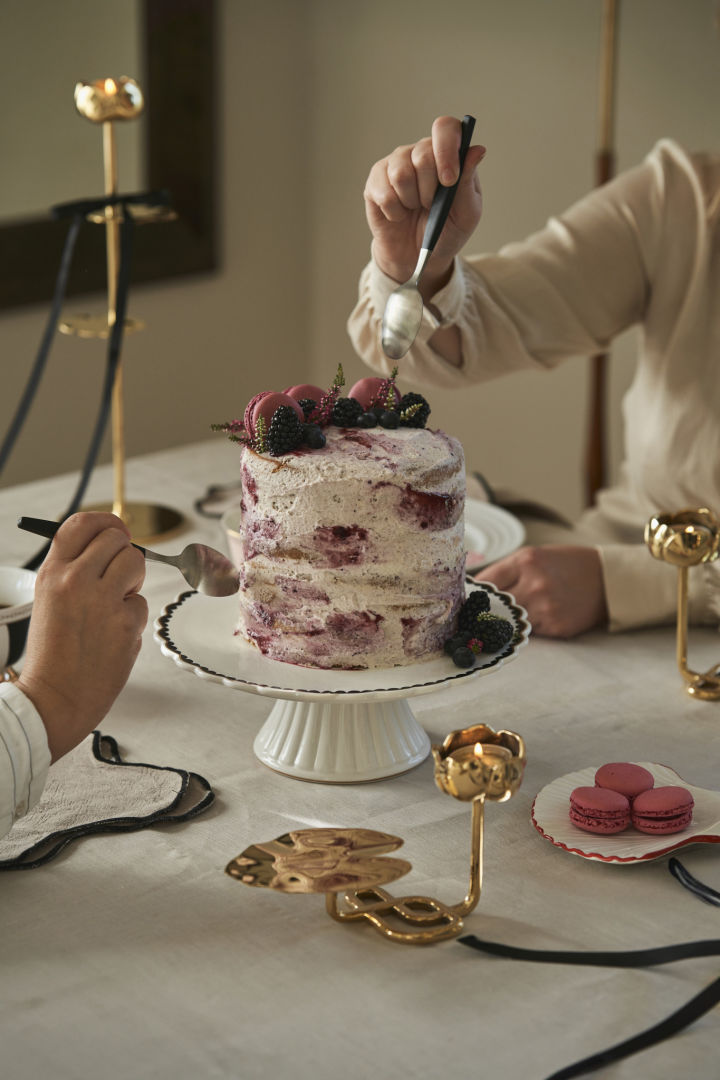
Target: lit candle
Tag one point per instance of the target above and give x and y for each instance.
(109, 99)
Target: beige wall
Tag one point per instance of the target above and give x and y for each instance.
(313, 92)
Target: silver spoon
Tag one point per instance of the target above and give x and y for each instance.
(404, 307)
(204, 568)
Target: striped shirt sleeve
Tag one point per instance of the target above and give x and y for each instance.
(24, 755)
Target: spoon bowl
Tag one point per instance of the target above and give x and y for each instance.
(404, 307)
(204, 568)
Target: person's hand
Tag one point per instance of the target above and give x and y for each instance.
(398, 194)
(86, 626)
(559, 585)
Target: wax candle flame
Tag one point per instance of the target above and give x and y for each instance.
(110, 86)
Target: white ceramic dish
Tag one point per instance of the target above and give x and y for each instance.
(550, 818)
(490, 532)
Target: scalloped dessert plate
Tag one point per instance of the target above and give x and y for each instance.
(197, 632)
(550, 818)
(490, 532)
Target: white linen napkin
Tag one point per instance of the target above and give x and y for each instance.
(92, 790)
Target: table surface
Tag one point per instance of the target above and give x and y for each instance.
(135, 956)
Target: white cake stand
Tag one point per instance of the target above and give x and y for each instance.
(339, 727)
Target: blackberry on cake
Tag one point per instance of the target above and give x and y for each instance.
(285, 432)
(346, 412)
(414, 410)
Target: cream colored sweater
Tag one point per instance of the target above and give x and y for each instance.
(641, 250)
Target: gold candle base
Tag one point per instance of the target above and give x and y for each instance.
(147, 522)
(686, 539)
(472, 765)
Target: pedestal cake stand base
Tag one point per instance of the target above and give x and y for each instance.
(332, 727)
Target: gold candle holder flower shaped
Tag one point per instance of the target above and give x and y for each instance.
(109, 99)
(478, 761)
(472, 765)
(686, 539)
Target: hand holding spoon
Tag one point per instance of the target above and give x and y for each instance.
(404, 307)
(204, 568)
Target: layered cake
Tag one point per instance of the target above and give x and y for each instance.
(352, 541)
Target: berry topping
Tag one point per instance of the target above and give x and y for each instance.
(313, 436)
(389, 419)
(367, 420)
(307, 404)
(286, 431)
(414, 410)
(346, 412)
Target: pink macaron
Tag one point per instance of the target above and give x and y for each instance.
(264, 404)
(663, 810)
(599, 810)
(630, 780)
(366, 390)
(305, 391)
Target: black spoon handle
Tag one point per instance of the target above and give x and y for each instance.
(443, 198)
(42, 527)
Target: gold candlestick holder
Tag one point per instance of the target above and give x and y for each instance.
(106, 101)
(686, 539)
(473, 765)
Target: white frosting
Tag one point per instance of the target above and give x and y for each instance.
(353, 554)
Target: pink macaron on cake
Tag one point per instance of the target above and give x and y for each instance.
(630, 780)
(599, 810)
(663, 810)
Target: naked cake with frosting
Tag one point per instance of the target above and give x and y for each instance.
(351, 529)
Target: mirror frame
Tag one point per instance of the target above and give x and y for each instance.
(178, 82)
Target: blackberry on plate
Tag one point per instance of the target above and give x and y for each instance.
(418, 408)
(493, 630)
(389, 419)
(285, 432)
(307, 405)
(346, 412)
(456, 642)
(463, 657)
(477, 602)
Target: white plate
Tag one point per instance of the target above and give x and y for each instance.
(490, 532)
(550, 818)
(197, 632)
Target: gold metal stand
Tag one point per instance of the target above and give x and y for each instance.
(472, 765)
(686, 539)
(105, 101)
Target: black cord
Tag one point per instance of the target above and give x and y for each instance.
(113, 359)
(636, 958)
(43, 352)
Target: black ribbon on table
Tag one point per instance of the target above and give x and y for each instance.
(638, 958)
(77, 211)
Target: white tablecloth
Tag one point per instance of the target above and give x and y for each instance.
(135, 956)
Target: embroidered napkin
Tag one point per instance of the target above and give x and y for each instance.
(92, 790)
